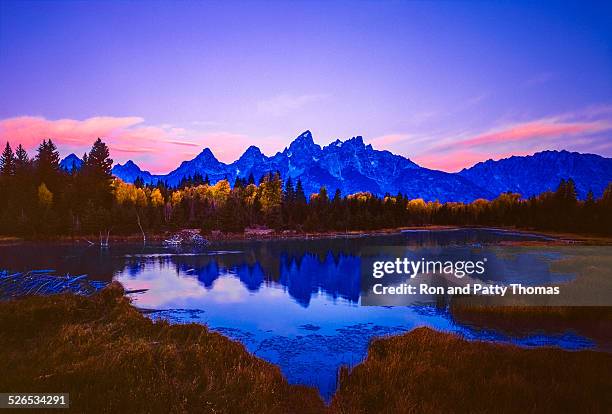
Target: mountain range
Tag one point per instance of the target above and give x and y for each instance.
(353, 166)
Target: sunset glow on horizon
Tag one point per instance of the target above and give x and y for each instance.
(444, 84)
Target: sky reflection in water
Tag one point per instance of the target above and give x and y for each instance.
(296, 303)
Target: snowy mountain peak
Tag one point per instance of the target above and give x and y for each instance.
(304, 144)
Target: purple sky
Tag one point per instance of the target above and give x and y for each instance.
(445, 84)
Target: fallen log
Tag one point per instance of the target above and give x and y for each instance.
(41, 282)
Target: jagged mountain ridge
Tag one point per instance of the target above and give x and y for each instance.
(353, 166)
(350, 166)
(533, 174)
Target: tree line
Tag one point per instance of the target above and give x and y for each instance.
(40, 199)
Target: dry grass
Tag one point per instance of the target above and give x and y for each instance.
(110, 358)
(430, 372)
(591, 322)
(520, 316)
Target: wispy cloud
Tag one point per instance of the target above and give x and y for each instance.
(283, 104)
(156, 148)
(385, 141)
(183, 143)
(455, 152)
(540, 130)
(29, 130)
(585, 130)
(458, 160)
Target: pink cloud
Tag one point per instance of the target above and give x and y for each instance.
(386, 140)
(535, 130)
(453, 154)
(29, 130)
(186, 144)
(457, 160)
(158, 149)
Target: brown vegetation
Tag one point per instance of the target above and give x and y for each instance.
(110, 358)
(594, 322)
(589, 293)
(431, 372)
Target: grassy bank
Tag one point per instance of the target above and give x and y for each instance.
(431, 372)
(232, 236)
(523, 315)
(593, 322)
(110, 358)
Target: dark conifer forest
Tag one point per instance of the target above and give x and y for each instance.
(38, 199)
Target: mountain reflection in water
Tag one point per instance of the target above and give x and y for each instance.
(295, 303)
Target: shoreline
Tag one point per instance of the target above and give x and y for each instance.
(548, 237)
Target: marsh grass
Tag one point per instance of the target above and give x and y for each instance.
(589, 321)
(431, 372)
(110, 358)
(520, 316)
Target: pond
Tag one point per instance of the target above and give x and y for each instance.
(296, 303)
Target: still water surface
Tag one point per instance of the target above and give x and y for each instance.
(295, 303)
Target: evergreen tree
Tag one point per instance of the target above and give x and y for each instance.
(47, 165)
(7, 161)
(139, 182)
(337, 197)
(95, 177)
(570, 192)
(99, 162)
(606, 197)
(289, 193)
(300, 197)
(590, 198)
(22, 161)
(322, 197)
(238, 183)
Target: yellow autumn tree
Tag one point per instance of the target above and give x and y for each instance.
(271, 193)
(157, 199)
(124, 193)
(45, 197)
(250, 194)
(362, 197)
(220, 192)
(176, 198)
(141, 198)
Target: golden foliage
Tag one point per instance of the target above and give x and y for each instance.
(157, 199)
(45, 197)
(362, 197)
(129, 194)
